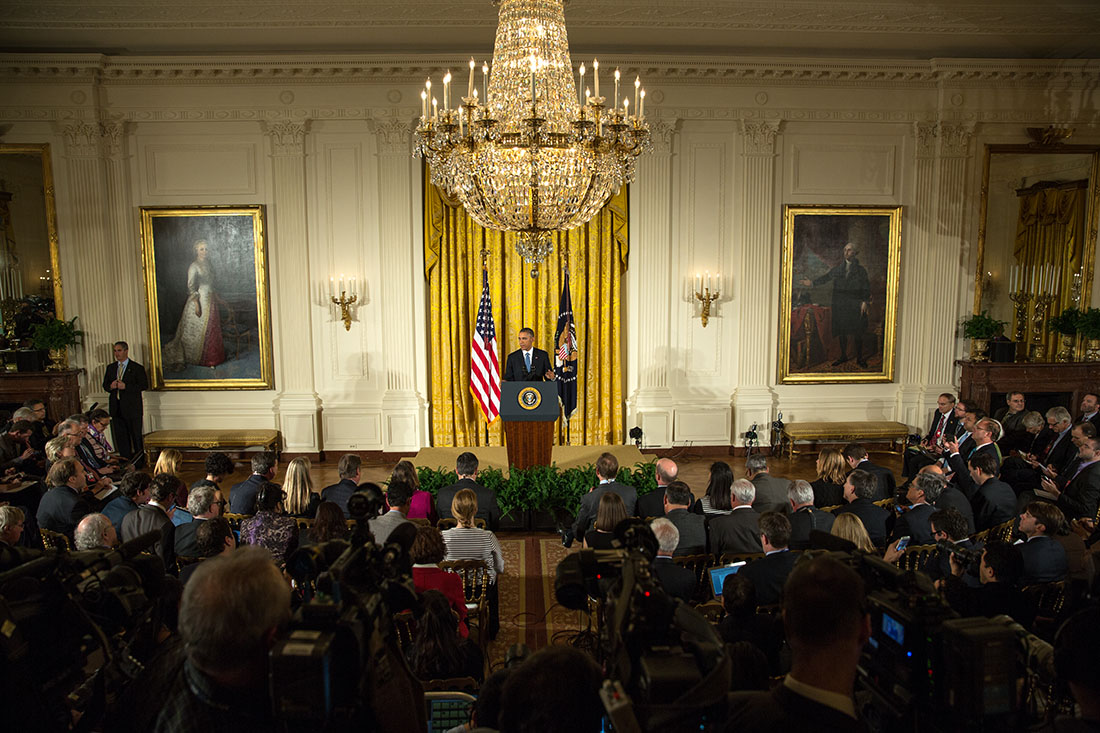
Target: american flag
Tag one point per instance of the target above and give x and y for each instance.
(484, 357)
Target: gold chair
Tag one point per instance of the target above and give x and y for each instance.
(404, 627)
(303, 522)
(887, 504)
(235, 520)
(475, 584)
(712, 611)
(697, 564)
(732, 557)
(421, 521)
(916, 557)
(830, 509)
(1048, 600)
(54, 540)
(183, 561)
(451, 523)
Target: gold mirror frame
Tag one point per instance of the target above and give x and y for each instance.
(42, 150)
(1092, 211)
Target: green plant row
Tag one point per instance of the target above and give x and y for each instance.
(541, 488)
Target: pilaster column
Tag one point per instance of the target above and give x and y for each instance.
(754, 399)
(404, 412)
(296, 406)
(653, 298)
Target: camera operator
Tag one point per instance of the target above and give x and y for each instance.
(232, 609)
(827, 624)
(1000, 570)
(950, 526)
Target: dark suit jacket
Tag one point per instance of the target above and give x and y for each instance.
(994, 503)
(874, 518)
(952, 498)
(887, 485)
(146, 519)
(806, 520)
(339, 493)
(768, 574)
(1044, 560)
(693, 532)
(784, 710)
(487, 507)
(914, 523)
(117, 508)
(62, 508)
(653, 503)
(1062, 453)
(738, 531)
(678, 582)
(1082, 493)
(771, 494)
(186, 544)
(516, 371)
(242, 496)
(949, 429)
(590, 502)
(958, 463)
(126, 401)
(1095, 420)
(826, 493)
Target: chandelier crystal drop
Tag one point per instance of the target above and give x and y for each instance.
(530, 151)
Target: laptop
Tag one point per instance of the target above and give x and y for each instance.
(718, 577)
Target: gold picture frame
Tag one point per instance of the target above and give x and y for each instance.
(838, 314)
(206, 291)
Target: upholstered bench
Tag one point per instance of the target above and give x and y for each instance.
(869, 430)
(210, 440)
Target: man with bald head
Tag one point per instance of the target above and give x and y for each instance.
(95, 532)
(653, 503)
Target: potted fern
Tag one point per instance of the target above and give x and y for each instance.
(1065, 324)
(1088, 325)
(56, 336)
(980, 328)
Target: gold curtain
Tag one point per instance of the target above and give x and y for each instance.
(1051, 230)
(596, 255)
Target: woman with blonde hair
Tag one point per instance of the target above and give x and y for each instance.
(301, 498)
(850, 527)
(467, 542)
(609, 513)
(832, 470)
(422, 506)
(170, 461)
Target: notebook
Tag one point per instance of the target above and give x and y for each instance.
(718, 576)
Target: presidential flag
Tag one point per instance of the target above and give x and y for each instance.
(484, 357)
(565, 358)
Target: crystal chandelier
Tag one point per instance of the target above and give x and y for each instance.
(533, 154)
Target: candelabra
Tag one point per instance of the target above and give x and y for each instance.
(706, 297)
(343, 301)
(1038, 327)
(1019, 319)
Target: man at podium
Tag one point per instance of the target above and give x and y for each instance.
(527, 364)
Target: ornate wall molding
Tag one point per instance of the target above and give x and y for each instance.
(925, 134)
(287, 136)
(661, 133)
(760, 136)
(82, 139)
(394, 135)
(955, 139)
(113, 134)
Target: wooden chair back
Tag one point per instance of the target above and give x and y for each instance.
(183, 561)
(451, 523)
(916, 557)
(54, 540)
(235, 520)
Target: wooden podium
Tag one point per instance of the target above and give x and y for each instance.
(529, 410)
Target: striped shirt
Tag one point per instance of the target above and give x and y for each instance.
(704, 504)
(471, 543)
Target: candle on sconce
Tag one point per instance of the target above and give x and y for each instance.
(706, 284)
(698, 283)
(1034, 278)
(1012, 280)
(637, 85)
(423, 105)
(596, 76)
(641, 107)
(342, 288)
(718, 283)
(351, 287)
(332, 287)
(616, 89)
(470, 86)
(626, 107)
(580, 86)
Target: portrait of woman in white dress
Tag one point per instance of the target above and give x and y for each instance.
(198, 339)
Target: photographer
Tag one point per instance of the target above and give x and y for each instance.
(1000, 570)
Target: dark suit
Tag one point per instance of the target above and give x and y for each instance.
(653, 503)
(487, 507)
(339, 493)
(62, 508)
(146, 519)
(804, 521)
(994, 503)
(914, 522)
(887, 485)
(960, 466)
(915, 459)
(948, 432)
(768, 574)
(771, 494)
(826, 493)
(693, 532)
(782, 709)
(515, 370)
(1082, 493)
(126, 406)
(1095, 420)
(851, 288)
(874, 518)
(952, 498)
(590, 502)
(186, 542)
(1044, 560)
(1060, 454)
(738, 531)
(242, 496)
(117, 509)
(678, 582)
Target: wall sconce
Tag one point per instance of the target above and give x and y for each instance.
(704, 295)
(344, 301)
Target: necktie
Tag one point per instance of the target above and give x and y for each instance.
(121, 371)
(527, 360)
(939, 429)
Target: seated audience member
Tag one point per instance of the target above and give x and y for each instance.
(1060, 450)
(1000, 572)
(427, 551)
(437, 651)
(77, 427)
(653, 503)
(301, 499)
(232, 611)
(214, 537)
(607, 468)
(827, 625)
(421, 505)
(738, 531)
(467, 542)
(133, 491)
(716, 500)
(771, 491)
(270, 528)
(15, 449)
(203, 503)
(950, 526)
(804, 517)
(993, 501)
(610, 512)
(63, 447)
(913, 522)
(1029, 440)
(98, 422)
(242, 496)
(859, 490)
(1044, 558)
(487, 508)
(950, 497)
(34, 411)
(1076, 649)
(984, 435)
(831, 471)
(398, 496)
(1090, 409)
(856, 457)
(217, 466)
(95, 532)
(171, 462)
(848, 526)
(156, 514)
(743, 624)
(65, 503)
(942, 429)
(1011, 416)
(11, 525)
(1081, 494)
(677, 581)
(769, 573)
(338, 493)
(329, 524)
(556, 690)
(180, 515)
(692, 527)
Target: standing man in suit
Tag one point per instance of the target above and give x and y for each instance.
(340, 492)
(527, 364)
(678, 582)
(1090, 409)
(805, 517)
(124, 380)
(653, 503)
(856, 455)
(769, 573)
(607, 468)
(487, 508)
(691, 527)
(1081, 494)
(771, 491)
(242, 496)
(738, 531)
(993, 500)
(1044, 557)
(859, 490)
